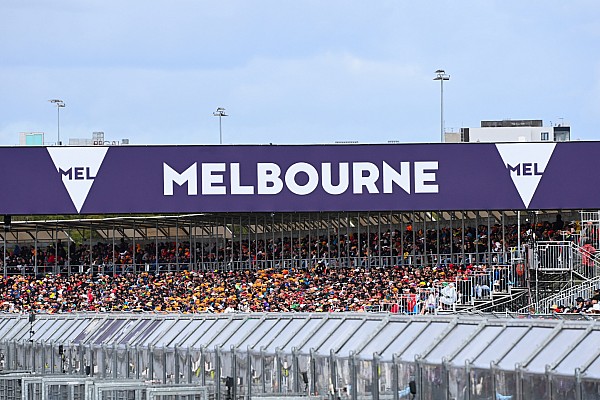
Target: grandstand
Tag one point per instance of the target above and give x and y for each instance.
(267, 237)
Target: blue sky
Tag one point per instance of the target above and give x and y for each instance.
(294, 71)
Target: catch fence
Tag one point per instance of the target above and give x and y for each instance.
(356, 356)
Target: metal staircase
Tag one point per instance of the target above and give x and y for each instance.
(512, 301)
(553, 272)
(559, 265)
(561, 271)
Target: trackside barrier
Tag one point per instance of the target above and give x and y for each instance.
(72, 387)
(250, 374)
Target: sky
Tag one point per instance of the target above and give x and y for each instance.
(294, 72)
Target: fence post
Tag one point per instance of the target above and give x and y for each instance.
(73, 355)
(353, 377)
(127, 361)
(468, 372)
(218, 372)
(418, 376)
(519, 381)
(375, 378)
(202, 366)
(188, 360)
(43, 346)
(91, 360)
(6, 345)
(176, 364)
(163, 359)
(578, 392)
(332, 373)
(33, 353)
(102, 362)
(313, 371)
(249, 376)
(138, 362)
(263, 382)
(395, 383)
(150, 362)
(296, 370)
(52, 357)
(548, 375)
(279, 371)
(115, 361)
(493, 369)
(234, 376)
(446, 376)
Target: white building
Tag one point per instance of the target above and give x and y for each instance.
(511, 131)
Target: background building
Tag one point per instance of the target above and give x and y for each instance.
(96, 140)
(31, 138)
(511, 131)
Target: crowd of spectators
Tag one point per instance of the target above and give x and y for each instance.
(318, 289)
(590, 305)
(489, 243)
(314, 286)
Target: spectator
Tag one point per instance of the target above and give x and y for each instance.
(448, 295)
(318, 289)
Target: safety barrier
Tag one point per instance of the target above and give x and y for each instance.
(254, 375)
(28, 386)
(352, 355)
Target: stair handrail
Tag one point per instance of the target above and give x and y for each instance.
(593, 257)
(504, 301)
(570, 293)
(577, 253)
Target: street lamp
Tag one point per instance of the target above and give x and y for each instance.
(441, 76)
(59, 104)
(220, 113)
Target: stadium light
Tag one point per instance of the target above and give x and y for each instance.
(441, 76)
(220, 113)
(59, 104)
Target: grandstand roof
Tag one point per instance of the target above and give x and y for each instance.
(533, 343)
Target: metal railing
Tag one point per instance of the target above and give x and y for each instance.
(434, 300)
(371, 261)
(554, 256)
(565, 297)
(486, 289)
(561, 256)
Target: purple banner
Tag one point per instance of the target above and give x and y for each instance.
(403, 177)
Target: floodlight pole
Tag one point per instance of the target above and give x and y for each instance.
(441, 76)
(59, 104)
(220, 113)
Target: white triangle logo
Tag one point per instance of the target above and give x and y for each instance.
(526, 163)
(78, 166)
